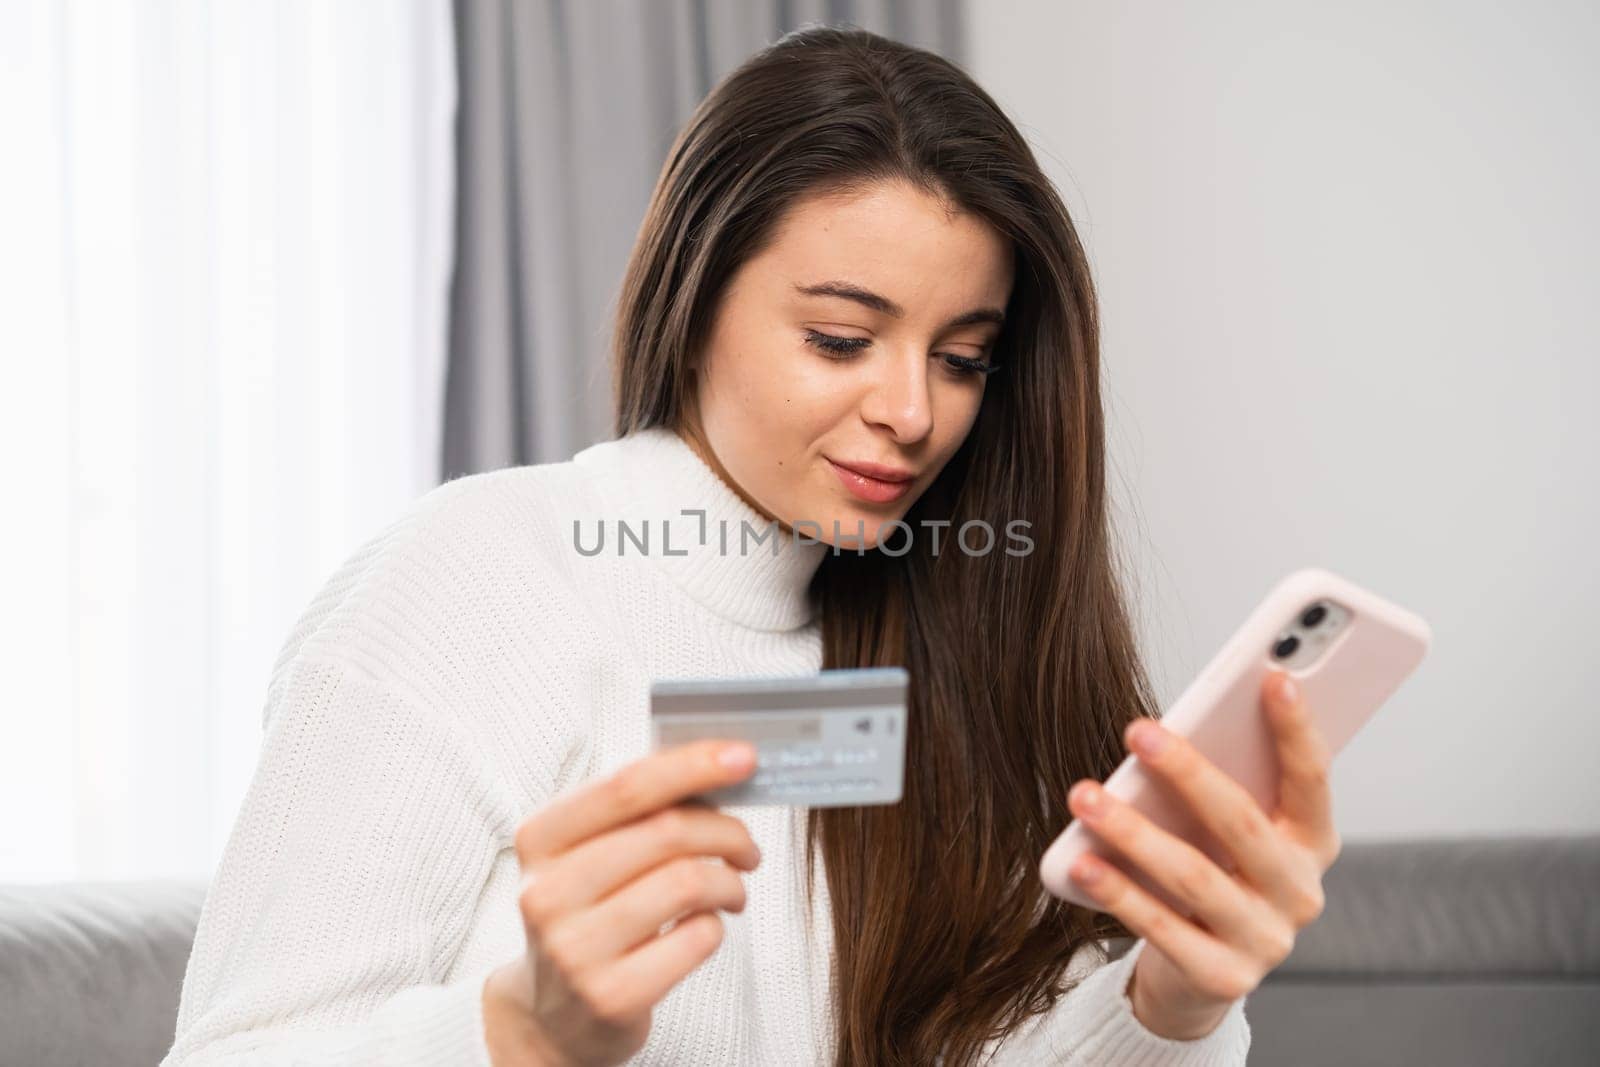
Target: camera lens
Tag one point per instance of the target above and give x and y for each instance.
(1286, 646)
(1313, 615)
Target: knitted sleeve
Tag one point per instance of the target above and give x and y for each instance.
(1093, 1023)
(345, 888)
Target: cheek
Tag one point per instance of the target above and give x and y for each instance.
(771, 391)
(955, 409)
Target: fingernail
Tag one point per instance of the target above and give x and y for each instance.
(1088, 797)
(739, 757)
(1085, 871)
(1288, 689)
(1149, 739)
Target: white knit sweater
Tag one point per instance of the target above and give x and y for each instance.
(460, 669)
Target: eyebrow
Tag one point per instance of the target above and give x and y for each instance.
(867, 298)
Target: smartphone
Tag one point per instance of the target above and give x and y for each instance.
(836, 738)
(1348, 649)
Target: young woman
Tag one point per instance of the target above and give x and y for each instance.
(857, 311)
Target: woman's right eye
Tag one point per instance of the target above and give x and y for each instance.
(836, 347)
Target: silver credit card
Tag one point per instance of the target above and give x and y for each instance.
(831, 739)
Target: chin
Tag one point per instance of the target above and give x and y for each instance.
(871, 528)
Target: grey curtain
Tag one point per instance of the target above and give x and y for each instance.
(566, 110)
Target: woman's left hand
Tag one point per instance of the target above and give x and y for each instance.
(1244, 923)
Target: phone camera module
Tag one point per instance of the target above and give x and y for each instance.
(1313, 615)
(1286, 646)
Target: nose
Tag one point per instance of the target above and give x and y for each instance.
(897, 395)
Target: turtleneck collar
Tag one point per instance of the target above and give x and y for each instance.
(648, 479)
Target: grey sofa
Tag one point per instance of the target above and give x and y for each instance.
(1469, 952)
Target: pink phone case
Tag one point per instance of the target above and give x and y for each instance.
(1220, 713)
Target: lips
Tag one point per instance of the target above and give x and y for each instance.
(872, 482)
(877, 471)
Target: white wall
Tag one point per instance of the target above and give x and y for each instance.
(1348, 257)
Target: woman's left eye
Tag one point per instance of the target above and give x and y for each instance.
(964, 366)
(842, 348)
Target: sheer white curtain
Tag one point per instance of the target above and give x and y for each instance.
(224, 273)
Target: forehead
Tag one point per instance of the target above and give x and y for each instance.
(895, 239)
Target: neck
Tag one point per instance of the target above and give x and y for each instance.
(682, 510)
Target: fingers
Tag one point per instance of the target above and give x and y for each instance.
(657, 781)
(604, 868)
(1220, 803)
(1251, 837)
(635, 914)
(598, 866)
(637, 981)
(1212, 967)
(1305, 802)
(1226, 907)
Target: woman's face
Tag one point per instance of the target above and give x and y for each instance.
(903, 289)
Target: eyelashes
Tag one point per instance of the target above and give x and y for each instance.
(839, 346)
(843, 348)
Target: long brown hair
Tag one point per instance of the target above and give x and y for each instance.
(1023, 667)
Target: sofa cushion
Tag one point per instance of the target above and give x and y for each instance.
(1521, 906)
(90, 973)
(1471, 952)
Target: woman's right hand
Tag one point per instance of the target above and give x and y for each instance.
(603, 869)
